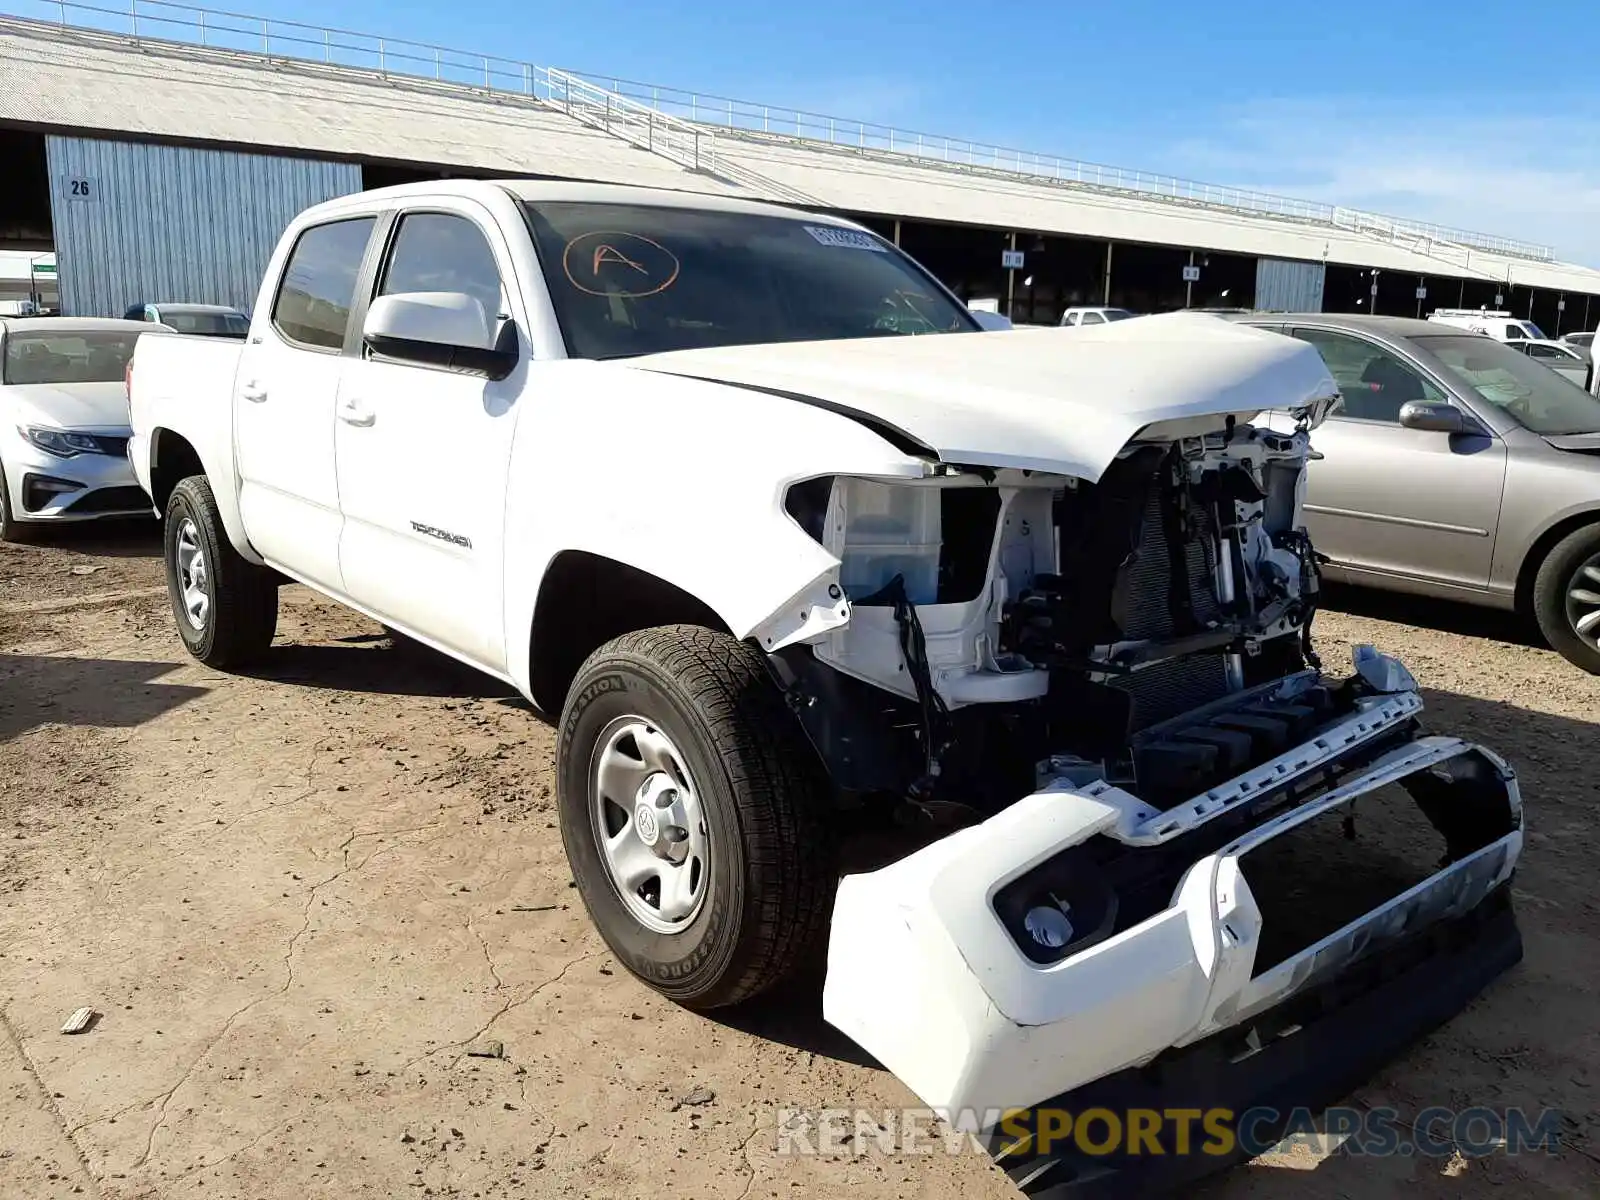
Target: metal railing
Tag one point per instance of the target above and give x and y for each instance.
(683, 125)
(771, 123)
(686, 143)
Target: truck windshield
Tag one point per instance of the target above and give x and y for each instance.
(634, 279)
(81, 356)
(1533, 395)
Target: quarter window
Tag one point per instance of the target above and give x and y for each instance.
(1373, 383)
(319, 283)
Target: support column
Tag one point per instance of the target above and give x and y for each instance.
(897, 231)
(1107, 300)
(1188, 286)
(1011, 276)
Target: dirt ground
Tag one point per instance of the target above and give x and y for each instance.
(298, 900)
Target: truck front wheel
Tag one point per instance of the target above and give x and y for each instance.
(226, 608)
(693, 814)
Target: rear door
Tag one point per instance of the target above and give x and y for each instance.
(423, 451)
(288, 383)
(1390, 501)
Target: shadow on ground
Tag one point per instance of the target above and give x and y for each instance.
(379, 665)
(133, 537)
(1446, 616)
(96, 692)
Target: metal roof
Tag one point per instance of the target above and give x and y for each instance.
(84, 82)
(523, 120)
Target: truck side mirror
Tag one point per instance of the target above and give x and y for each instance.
(1435, 418)
(440, 329)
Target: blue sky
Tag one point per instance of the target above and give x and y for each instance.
(1467, 113)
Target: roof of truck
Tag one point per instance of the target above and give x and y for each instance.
(534, 191)
(72, 324)
(189, 308)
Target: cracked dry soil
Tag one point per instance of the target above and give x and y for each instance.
(297, 900)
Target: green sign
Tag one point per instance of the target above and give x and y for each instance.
(43, 268)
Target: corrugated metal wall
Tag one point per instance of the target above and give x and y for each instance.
(1284, 285)
(136, 222)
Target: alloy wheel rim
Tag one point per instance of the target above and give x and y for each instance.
(649, 825)
(1583, 602)
(194, 576)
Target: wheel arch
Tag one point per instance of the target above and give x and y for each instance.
(173, 459)
(1540, 549)
(585, 600)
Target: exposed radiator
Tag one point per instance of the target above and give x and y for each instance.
(1167, 689)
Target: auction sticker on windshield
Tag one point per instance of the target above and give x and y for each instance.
(849, 239)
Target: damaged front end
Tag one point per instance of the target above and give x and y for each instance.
(1097, 706)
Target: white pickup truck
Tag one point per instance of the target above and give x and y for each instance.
(669, 465)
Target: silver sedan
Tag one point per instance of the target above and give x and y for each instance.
(1456, 467)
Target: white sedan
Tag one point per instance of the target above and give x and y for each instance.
(64, 422)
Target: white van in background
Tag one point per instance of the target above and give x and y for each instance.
(1500, 325)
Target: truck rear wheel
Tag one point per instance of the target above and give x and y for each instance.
(693, 814)
(226, 609)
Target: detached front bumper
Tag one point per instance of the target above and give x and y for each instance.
(46, 487)
(1203, 1004)
(1304, 1055)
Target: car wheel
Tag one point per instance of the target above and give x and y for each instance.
(226, 608)
(1566, 598)
(693, 811)
(11, 529)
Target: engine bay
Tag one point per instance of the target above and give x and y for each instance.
(1010, 626)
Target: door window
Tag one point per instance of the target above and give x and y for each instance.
(319, 283)
(440, 252)
(1092, 318)
(1513, 332)
(1373, 383)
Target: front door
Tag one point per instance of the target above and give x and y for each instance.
(1393, 501)
(423, 451)
(288, 383)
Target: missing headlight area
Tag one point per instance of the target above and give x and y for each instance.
(1003, 622)
(1330, 871)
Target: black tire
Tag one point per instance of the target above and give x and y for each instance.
(11, 529)
(760, 786)
(242, 612)
(1557, 577)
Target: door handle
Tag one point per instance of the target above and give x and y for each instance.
(253, 392)
(352, 413)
